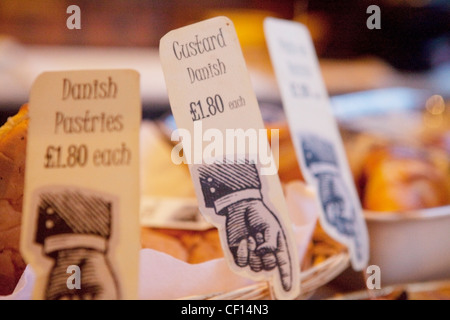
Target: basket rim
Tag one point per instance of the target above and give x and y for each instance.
(311, 279)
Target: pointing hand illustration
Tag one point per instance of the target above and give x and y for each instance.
(333, 194)
(337, 207)
(96, 278)
(256, 239)
(254, 234)
(74, 229)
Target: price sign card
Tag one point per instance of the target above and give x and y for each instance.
(81, 199)
(315, 134)
(226, 147)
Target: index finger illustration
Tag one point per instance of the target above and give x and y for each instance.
(284, 264)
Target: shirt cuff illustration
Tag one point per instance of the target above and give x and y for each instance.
(229, 199)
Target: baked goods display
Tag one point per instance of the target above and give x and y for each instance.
(13, 139)
(190, 246)
(398, 175)
(390, 175)
(203, 245)
(194, 246)
(399, 178)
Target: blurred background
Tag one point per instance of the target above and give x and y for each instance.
(368, 73)
(412, 48)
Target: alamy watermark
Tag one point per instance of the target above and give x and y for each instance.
(74, 280)
(374, 20)
(374, 280)
(74, 20)
(213, 146)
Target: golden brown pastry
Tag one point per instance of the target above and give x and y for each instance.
(358, 148)
(162, 242)
(13, 138)
(186, 245)
(405, 178)
(207, 249)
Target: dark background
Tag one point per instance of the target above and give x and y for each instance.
(414, 35)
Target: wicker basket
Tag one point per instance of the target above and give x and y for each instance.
(324, 261)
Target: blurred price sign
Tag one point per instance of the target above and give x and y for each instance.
(316, 137)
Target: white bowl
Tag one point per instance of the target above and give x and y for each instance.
(410, 246)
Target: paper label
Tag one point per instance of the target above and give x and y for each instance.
(315, 134)
(81, 199)
(237, 185)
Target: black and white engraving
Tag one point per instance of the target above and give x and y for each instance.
(74, 228)
(255, 237)
(334, 195)
(321, 160)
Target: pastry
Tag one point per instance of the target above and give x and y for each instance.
(158, 240)
(13, 137)
(191, 246)
(405, 178)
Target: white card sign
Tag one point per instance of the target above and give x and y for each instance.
(315, 134)
(81, 199)
(214, 105)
